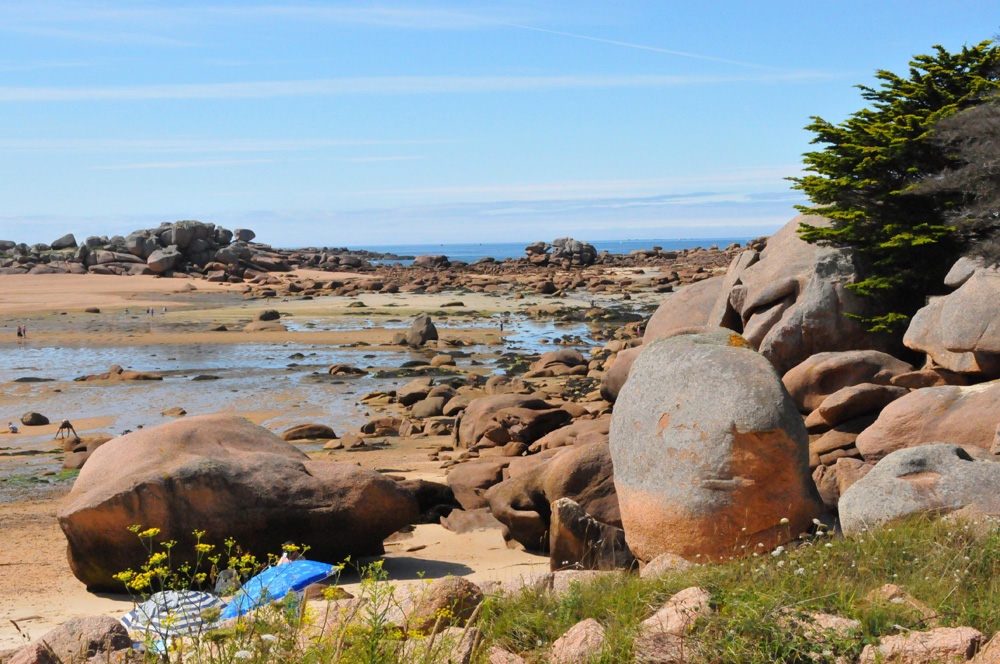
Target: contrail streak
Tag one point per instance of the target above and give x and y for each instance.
(641, 47)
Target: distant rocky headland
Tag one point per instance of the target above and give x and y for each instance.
(208, 251)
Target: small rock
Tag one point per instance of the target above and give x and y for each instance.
(663, 564)
(583, 642)
(944, 645)
(446, 602)
(267, 315)
(309, 432)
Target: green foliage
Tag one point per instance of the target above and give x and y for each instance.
(972, 138)
(863, 180)
(950, 566)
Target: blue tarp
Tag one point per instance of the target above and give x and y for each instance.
(274, 583)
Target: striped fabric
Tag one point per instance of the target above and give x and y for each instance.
(171, 613)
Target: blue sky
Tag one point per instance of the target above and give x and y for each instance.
(363, 123)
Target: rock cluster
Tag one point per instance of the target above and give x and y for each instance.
(184, 246)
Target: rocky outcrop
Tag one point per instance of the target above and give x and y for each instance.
(476, 419)
(230, 478)
(710, 454)
(522, 425)
(793, 302)
(961, 331)
(564, 249)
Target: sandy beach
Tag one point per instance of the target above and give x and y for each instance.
(37, 589)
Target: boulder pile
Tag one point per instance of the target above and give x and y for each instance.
(184, 246)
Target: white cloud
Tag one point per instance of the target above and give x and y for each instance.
(210, 145)
(239, 162)
(379, 85)
(422, 17)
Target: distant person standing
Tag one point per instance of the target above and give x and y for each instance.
(20, 333)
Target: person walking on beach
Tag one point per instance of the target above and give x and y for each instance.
(20, 333)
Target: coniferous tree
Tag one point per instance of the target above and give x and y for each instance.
(864, 179)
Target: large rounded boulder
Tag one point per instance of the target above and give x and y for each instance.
(691, 306)
(230, 478)
(931, 479)
(710, 453)
(963, 415)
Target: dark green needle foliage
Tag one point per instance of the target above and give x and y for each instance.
(865, 178)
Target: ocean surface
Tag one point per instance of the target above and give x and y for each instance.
(501, 250)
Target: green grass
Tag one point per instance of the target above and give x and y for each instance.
(953, 569)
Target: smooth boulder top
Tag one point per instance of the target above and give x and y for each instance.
(823, 374)
(932, 479)
(688, 307)
(709, 450)
(968, 416)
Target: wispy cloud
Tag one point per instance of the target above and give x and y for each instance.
(594, 190)
(193, 145)
(179, 164)
(239, 162)
(19, 14)
(641, 47)
(380, 85)
(8, 66)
